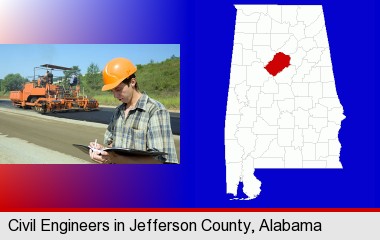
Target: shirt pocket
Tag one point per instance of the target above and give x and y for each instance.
(136, 139)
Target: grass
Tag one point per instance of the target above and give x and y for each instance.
(106, 100)
(4, 95)
(170, 102)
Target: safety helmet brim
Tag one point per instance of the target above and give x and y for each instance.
(110, 86)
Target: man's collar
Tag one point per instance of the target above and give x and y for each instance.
(141, 103)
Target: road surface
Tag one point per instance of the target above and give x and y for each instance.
(29, 137)
(102, 116)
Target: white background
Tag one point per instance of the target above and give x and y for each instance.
(335, 225)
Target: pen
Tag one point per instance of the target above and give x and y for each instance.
(95, 148)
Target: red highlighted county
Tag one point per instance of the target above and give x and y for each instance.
(279, 62)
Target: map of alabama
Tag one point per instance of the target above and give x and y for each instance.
(283, 109)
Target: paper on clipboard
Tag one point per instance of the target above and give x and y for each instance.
(122, 151)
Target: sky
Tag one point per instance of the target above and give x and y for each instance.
(22, 58)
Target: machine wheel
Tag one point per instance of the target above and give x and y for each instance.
(32, 100)
(44, 107)
(41, 109)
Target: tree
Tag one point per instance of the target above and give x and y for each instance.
(93, 78)
(174, 57)
(13, 82)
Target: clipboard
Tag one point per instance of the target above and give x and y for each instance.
(122, 151)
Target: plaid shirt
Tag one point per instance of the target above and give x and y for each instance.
(147, 127)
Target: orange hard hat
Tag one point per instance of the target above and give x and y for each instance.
(116, 71)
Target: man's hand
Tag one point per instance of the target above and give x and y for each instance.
(97, 154)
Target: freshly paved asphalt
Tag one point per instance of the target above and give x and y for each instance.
(102, 116)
